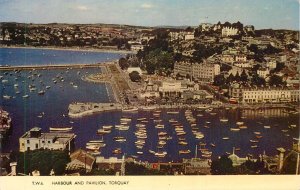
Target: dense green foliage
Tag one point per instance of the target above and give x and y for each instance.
(203, 52)
(254, 167)
(222, 166)
(135, 76)
(276, 80)
(123, 63)
(102, 172)
(135, 169)
(257, 80)
(159, 61)
(42, 160)
(290, 163)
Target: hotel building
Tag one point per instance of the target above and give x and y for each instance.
(34, 139)
(263, 95)
(203, 72)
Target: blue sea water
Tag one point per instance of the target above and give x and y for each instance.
(27, 56)
(54, 104)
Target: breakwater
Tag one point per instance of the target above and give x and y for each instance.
(82, 109)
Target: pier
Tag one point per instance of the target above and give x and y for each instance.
(54, 66)
(82, 109)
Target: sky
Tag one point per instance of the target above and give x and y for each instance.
(276, 14)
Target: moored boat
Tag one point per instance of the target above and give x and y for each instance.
(117, 151)
(61, 129)
(41, 92)
(132, 109)
(6, 97)
(92, 147)
(240, 123)
(184, 151)
(25, 96)
(172, 112)
(224, 120)
(103, 131)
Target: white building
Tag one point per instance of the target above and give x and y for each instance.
(240, 58)
(229, 31)
(271, 64)
(263, 94)
(35, 139)
(174, 36)
(206, 26)
(249, 28)
(295, 95)
(236, 160)
(181, 35)
(183, 68)
(136, 47)
(257, 95)
(226, 58)
(205, 72)
(189, 36)
(199, 71)
(243, 64)
(263, 72)
(147, 38)
(171, 89)
(150, 91)
(247, 38)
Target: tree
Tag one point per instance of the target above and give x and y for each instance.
(237, 77)
(197, 32)
(43, 161)
(189, 29)
(290, 164)
(59, 167)
(244, 76)
(135, 76)
(276, 80)
(271, 50)
(102, 172)
(222, 166)
(279, 67)
(254, 167)
(123, 63)
(225, 67)
(219, 80)
(230, 79)
(255, 68)
(158, 60)
(203, 52)
(178, 57)
(136, 169)
(257, 80)
(253, 48)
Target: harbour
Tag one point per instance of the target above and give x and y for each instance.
(158, 133)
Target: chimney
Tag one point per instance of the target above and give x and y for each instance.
(13, 166)
(281, 158)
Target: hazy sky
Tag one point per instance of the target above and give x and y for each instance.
(260, 13)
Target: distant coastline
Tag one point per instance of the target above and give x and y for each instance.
(81, 49)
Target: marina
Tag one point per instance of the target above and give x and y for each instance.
(60, 97)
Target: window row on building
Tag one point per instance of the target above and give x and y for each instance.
(258, 95)
(203, 72)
